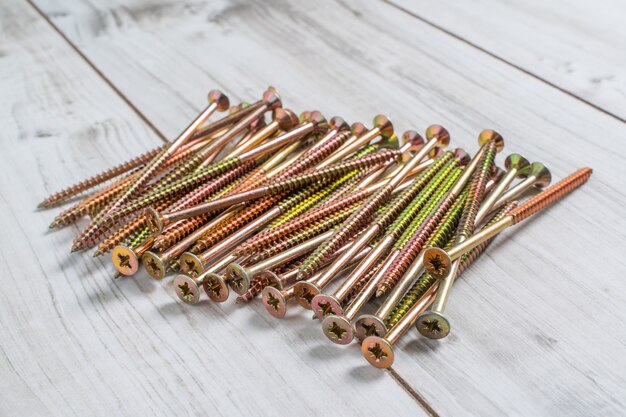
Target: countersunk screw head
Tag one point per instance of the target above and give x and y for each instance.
(153, 264)
(305, 116)
(377, 351)
(391, 142)
(215, 287)
(305, 292)
(414, 139)
(385, 126)
(461, 156)
(358, 129)
(518, 162)
(154, 220)
(369, 325)
(439, 132)
(437, 262)
(125, 260)
(338, 123)
(187, 289)
(285, 118)
(272, 99)
(190, 264)
(325, 305)
(216, 96)
(338, 330)
(489, 135)
(274, 302)
(238, 278)
(543, 175)
(433, 325)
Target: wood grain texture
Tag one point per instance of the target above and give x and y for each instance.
(538, 323)
(577, 46)
(76, 343)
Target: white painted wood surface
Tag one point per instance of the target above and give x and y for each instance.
(538, 322)
(576, 45)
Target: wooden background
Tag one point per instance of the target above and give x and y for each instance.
(539, 321)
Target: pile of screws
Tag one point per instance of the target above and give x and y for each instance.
(284, 208)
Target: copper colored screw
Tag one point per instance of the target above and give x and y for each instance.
(82, 186)
(378, 350)
(438, 262)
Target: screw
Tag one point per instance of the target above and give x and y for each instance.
(188, 288)
(516, 166)
(539, 177)
(535, 204)
(378, 349)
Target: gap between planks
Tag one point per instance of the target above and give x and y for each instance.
(504, 60)
(97, 70)
(393, 374)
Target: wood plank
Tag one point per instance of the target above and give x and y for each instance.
(577, 46)
(549, 288)
(73, 341)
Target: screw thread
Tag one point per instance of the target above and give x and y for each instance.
(426, 281)
(551, 194)
(305, 233)
(477, 188)
(405, 219)
(331, 172)
(415, 243)
(82, 186)
(306, 219)
(398, 204)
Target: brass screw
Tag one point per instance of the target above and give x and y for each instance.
(444, 260)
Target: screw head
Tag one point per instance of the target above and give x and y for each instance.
(190, 264)
(316, 117)
(271, 278)
(153, 265)
(440, 133)
(305, 116)
(187, 289)
(541, 173)
(437, 262)
(338, 123)
(338, 330)
(238, 278)
(304, 293)
(216, 96)
(358, 129)
(384, 125)
(154, 220)
(215, 287)
(377, 351)
(391, 142)
(272, 99)
(433, 325)
(414, 139)
(237, 107)
(325, 305)
(518, 162)
(491, 135)
(124, 260)
(369, 325)
(285, 118)
(462, 156)
(274, 302)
